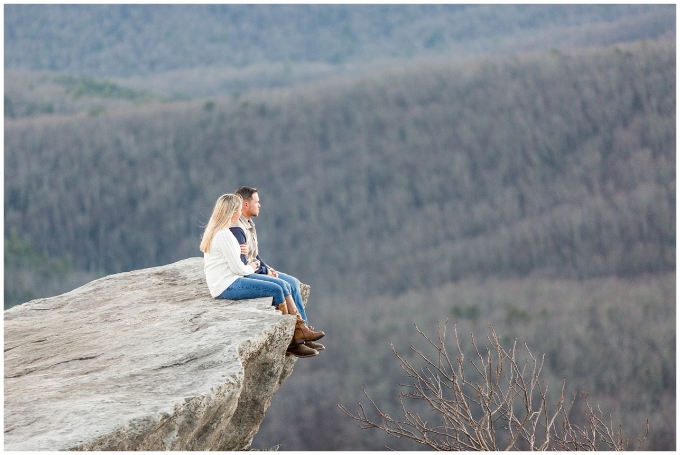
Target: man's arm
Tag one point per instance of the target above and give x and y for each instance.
(264, 269)
(241, 237)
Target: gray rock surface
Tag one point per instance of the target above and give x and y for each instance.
(143, 360)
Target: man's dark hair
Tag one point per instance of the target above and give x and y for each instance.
(246, 192)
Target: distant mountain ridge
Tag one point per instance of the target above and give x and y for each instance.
(127, 40)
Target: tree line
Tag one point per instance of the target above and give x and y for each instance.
(124, 40)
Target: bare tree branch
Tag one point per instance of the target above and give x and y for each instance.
(504, 404)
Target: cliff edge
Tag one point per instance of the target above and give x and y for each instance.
(143, 360)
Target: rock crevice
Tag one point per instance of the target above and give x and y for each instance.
(143, 360)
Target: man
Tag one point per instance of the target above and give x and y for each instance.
(251, 209)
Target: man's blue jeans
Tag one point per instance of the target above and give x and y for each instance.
(295, 293)
(292, 285)
(249, 288)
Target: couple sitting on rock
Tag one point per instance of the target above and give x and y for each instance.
(234, 270)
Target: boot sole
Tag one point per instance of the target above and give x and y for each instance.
(288, 353)
(301, 356)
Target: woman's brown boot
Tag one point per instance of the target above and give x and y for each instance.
(282, 308)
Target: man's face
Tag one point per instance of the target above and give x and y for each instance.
(252, 207)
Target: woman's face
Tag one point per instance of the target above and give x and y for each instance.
(236, 215)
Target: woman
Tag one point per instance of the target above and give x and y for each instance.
(227, 277)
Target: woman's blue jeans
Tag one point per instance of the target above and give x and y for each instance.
(291, 287)
(249, 288)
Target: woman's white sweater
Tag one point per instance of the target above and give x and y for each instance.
(223, 262)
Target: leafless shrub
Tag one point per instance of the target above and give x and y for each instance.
(499, 403)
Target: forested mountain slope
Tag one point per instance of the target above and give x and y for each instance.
(612, 338)
(552, 164)
(62, 59)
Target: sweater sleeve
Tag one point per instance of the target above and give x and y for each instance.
(227, 243)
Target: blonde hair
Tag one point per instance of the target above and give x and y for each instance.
(225, 207)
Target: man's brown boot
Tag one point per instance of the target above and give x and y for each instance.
(303, 333)
(299, 319)
(315, 345)
(300, 350)
(282, 308)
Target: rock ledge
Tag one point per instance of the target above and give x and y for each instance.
(143, 360)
